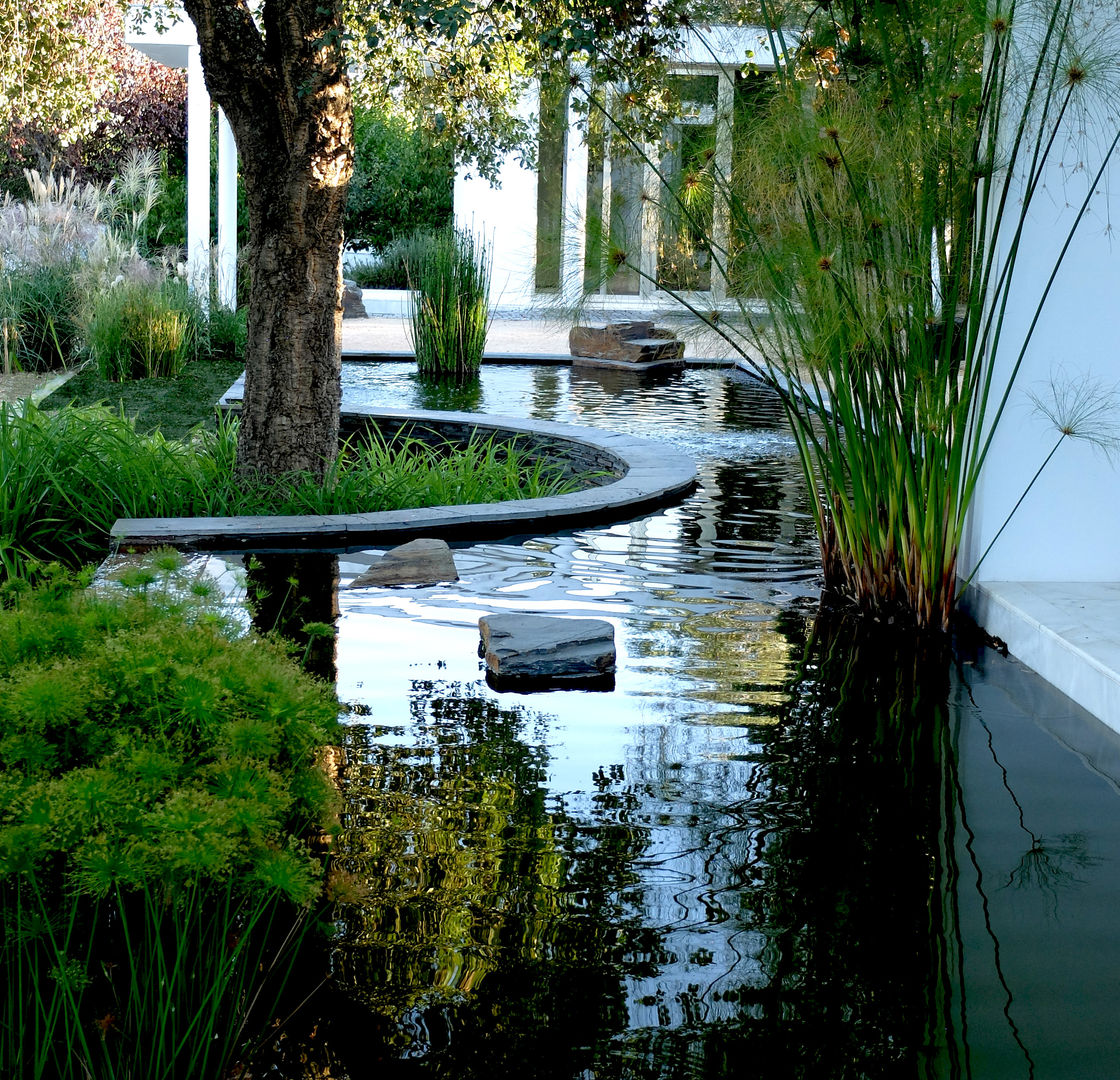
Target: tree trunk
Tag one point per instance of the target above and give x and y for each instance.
(283, 85)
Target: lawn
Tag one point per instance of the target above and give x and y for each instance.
(172, 405)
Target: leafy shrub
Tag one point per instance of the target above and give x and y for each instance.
(401, 181)
(451, 312)
(140, 106)
(395, 267)
(159, 778)
(140, 331)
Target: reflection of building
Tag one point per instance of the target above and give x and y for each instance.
(597, 195)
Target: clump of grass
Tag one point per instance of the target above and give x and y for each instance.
(142, 331)
(226, 332)
(450, 315)
(37, 317)
(160, 779)
(67, 475)
(392, 267)
(75, 276)
(372, 474)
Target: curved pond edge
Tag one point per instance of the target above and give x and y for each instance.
(647, 475)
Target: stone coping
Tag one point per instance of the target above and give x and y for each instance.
(370, 356)
(646, 475)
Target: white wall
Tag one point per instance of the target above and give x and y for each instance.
(1068, 528)
(507, 216)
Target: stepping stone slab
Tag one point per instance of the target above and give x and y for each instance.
(633, 342)
(528, 648)
(419, 562)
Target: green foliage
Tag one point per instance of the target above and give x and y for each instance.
(227, 332)
(166, 225)
(401, 180)
(46, 74)
(460, 70)
(393, 267)
(66, 476)
(140, 331)
(38, 317)
(450, 315)
(159, 780)
(61, 248)
(898, 142)
(371, 474)
(96, 101)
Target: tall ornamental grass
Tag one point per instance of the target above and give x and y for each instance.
(450, 315)
(78, 282)
(39, 323)
(140, 331)
(162, 800)
(877, 205)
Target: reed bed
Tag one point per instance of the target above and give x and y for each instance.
(877, 202)
(450, 317)
(67, 475)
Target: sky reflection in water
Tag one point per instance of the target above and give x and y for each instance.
(775, 849)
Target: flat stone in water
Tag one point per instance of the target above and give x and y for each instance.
(419, 562)
(526, 649)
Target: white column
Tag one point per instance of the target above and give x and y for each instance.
(653, 189)
(574, 241)
(227, 214)
(721, 223)
(198, 178)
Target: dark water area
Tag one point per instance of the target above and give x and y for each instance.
(783, 846)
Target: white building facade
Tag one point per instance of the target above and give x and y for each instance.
(557, 233)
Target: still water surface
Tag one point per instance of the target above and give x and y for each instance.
(778, 848)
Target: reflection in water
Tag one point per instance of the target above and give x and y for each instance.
(784, 846)
(680, 915)
(448, 393)
(296, 596)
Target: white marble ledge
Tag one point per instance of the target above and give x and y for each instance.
(1067, 631)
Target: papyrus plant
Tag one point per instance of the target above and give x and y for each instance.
(450, 312)
(878, 204)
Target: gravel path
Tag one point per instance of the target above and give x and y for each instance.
(35, 385)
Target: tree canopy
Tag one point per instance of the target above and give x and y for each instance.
(47, 76)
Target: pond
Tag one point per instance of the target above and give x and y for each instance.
(782, 846)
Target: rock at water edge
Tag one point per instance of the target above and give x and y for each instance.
(352, 305)
(419, 562)
(602, 339)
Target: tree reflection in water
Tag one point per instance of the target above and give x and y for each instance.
(660, 924)
(296, 596)
(778, 849)
(836, 866)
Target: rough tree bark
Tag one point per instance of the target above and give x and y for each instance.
(281, 80)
